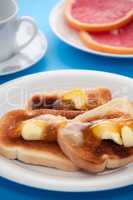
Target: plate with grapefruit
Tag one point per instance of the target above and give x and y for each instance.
(98, 26)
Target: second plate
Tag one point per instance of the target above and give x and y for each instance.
(70, 36)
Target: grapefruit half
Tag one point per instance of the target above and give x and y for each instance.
(119, 41)
(98, 15)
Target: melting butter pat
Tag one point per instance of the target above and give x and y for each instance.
(33, 129)
(78, 97)
(107, 131)
(127, 136)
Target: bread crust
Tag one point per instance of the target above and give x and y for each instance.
(69, 114)
(30, 152)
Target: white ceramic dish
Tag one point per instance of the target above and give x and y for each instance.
(14, 95)
(70, 36)
(29, 56)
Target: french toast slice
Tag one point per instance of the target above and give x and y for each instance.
(31, 152)
(94, 155)
(88, 152)
(70, 103)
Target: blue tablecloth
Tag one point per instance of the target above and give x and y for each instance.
(61, 56)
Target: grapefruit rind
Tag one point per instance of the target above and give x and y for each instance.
(90, 43)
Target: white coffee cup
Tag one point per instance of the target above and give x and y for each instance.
(9, 26)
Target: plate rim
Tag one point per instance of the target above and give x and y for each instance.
(55, 185)
(87, 50)
(25, 76)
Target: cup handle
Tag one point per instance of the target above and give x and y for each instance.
(35, 31)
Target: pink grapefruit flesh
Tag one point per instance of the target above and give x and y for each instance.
(118, 41)
(100, 11)
(101, 14)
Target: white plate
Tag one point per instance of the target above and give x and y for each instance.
(70, 36)
(29, 56)
(14, 95)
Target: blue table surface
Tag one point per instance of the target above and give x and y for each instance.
(61, 56)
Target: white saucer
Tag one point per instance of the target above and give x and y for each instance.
(15, 94)
(70, 36)
(28, 56)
